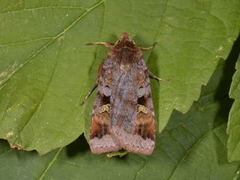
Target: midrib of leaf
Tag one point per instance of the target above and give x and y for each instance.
(51, 162)
(42, 48)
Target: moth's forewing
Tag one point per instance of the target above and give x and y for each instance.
(100, 138)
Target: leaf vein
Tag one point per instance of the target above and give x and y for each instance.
(50, 164)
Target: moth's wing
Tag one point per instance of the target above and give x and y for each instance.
(101, 139)
(143, 137)
(135, 126)
(145, 122)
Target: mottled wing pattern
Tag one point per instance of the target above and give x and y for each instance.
(123, 115)
(101, 139)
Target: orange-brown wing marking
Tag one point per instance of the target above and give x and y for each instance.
(101, 139)
(145, 123)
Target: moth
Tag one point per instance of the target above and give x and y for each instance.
(123, 114)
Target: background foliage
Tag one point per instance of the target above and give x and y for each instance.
(46, 69)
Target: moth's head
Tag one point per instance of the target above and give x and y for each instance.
(125, 50)
(125, 42)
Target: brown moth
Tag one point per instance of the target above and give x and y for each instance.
(123, 115)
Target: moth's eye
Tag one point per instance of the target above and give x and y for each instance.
(141, 91)
(107, 90)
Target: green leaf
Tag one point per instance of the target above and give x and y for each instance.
(192, 146)
(46, 69)
(234, 117)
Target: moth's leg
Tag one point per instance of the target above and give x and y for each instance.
(89, 93)
(118, 153)
(148, 48)
(106, 44)
(151, 75)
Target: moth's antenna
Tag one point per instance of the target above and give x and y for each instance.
(148, 48)
(106, 44)
(151, 75)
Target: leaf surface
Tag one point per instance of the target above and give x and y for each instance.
(234, 118)
(46, 69)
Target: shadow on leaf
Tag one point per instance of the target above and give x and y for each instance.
(79, 146)
(222, 92)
